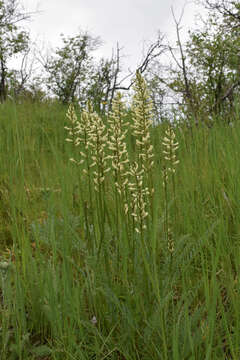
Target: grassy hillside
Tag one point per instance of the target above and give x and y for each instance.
(94, 270)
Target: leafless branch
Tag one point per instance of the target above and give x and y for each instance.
(155, 50)
(11, 14)
(223, 7)
(183, 58)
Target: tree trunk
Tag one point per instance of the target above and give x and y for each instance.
(3, 90)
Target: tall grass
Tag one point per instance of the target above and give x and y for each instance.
(113, 255)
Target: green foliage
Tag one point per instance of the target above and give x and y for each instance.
(73, 75)
(130, 250)
(204, 78)
(214, 57)
(100, 89)
(170, 292)
(70, 68)
(13, 40)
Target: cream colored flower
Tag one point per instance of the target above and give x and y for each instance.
(117, 145)
(142, 107)
(139, 197)
(98, 138)
(170, 148)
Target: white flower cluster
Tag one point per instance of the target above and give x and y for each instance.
(78, 133)
(98, 138)
(72, 117)
(170, 148)
(140, 196)
(89, 132)
(117, 144)
(142, 117)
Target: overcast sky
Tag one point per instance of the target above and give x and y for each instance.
(130, 22)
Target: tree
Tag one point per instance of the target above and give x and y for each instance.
(21, 80)
(154, 78)
(228, 10)
(69, 70)
(214, 54)
(206, 76)
(181, 83)
(101, 90)
(108, 76)
(74, 75)
(13, 40)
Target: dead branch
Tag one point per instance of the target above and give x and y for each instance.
(155, 50)
(182, 66)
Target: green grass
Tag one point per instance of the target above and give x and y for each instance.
(148, 302)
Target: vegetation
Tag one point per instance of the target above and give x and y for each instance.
(70, 71)
(119, 233)
(13, 40)
(130, 250)
(199, 80)
(207, 76)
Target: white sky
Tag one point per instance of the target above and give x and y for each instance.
(130, 22)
